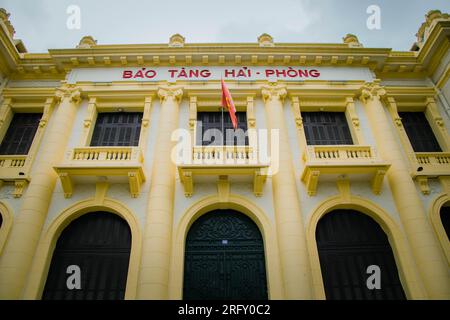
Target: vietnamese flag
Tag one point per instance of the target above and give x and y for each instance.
(227, 103)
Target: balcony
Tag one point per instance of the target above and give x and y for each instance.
(119, 164)
(15, 168)
(329, 162)
(223, 161)
(430, 165)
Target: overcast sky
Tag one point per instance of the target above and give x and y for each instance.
(41, 24)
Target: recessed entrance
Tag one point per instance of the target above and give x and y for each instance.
(224, 258)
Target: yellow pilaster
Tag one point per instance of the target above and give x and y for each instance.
(16, 260)
(290, 229)
(154, 272)
(431, 263)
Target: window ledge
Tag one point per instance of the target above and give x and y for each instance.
(122, 162)
(338, 160)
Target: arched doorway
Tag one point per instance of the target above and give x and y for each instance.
(224, 258)
(348, 243)
(445, 218)
(99, 243)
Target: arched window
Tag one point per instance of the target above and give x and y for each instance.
(99, 243)
(348, 243)
(224, 258)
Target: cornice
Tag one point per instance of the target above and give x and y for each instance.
(436, 46)
(410, 94)
(9, 57)
(386, 63)
(28, 94)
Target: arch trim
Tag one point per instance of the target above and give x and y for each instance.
(7, 222)
(436, 221)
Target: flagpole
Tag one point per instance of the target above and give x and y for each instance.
(223, 133)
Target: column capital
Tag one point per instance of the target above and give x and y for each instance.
(67, 91)
(273, 91)
(371, 90)
(165, 92)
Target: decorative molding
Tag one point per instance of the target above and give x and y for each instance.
(274, 92)
(295, 104)
(48, 108)
(251, 120)
(423, 185)
(147, 109)
(101, 189)
(398, 121)
(66, 183)
(19, 186)
(223, 188)
(352, 41)
(70, 92)
(87, 42)
(265, 40)
(343, 185)
(371, 90)
(437, 123)
(91, 112)
(135, 179)
(192, 112)
(445, 183)
(311, 180)
(258, 181)
(5, 111)
(176, 93)
(352, 117)
(188, 183)
(377, 181)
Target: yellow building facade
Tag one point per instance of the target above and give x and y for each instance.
(351, 133)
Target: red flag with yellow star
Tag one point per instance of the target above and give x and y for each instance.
(227, 103)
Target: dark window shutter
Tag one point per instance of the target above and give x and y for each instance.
(419, 132)
(213, 120)
(348, 242)
(100, 244)
(117, 129)
(326, 128)
(20, 134)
